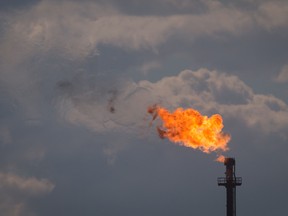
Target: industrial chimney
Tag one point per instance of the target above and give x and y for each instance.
(230, 182)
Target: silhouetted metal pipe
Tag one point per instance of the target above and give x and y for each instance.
(230, 182)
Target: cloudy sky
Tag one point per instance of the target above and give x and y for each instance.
(76, 78)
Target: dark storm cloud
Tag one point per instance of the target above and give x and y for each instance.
(77, 77)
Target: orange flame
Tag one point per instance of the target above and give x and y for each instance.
(191, 129)
(220, 159)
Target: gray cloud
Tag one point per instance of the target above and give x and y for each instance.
(31, 186)
(283, 75)
(10, 208)
(209, 91)
(48, 28)
(16, 190)
(53, 25)
(272, 14)
(227, 94)
(147, 67)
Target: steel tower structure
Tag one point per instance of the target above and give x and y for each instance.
(230, 182)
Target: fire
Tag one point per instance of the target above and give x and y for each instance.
(220, 159)
(191, 129)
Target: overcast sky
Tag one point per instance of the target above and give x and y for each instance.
(76, 78)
